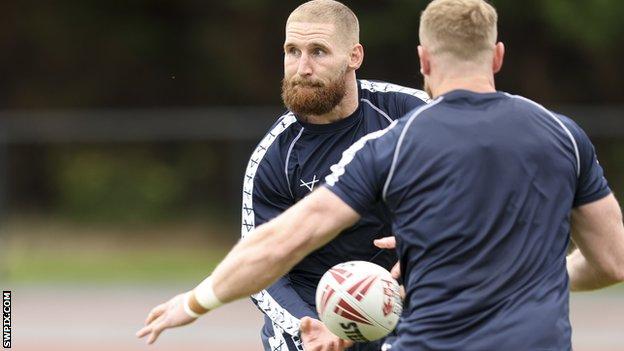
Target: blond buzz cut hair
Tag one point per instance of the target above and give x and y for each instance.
(463, 29)
(329, 11)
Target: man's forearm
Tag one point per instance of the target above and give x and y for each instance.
(584, 277)
(257, 261)
(598, 232)
(275, 247)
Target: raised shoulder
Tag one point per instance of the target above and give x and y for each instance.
(276, 131)
(268, 157)
(385, 87)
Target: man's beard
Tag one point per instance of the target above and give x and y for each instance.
(313, 98)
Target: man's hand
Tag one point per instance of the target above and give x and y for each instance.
(389, 242)
(167, 315)
(316, 337)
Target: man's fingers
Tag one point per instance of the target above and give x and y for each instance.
(144, 331)
(150, 328)
(156, 330)
(155, 313)
(396, 271)
(306, 325)
(343, 344)
(346, 343)
(337, 346)
(388, 242)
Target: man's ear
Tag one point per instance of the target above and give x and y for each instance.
(356, 57)
(499, 55)
(425, 63)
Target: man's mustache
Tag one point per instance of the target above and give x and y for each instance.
(306, 83)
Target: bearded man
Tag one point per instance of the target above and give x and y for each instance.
(328, 110)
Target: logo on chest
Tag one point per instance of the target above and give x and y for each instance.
(309, 185)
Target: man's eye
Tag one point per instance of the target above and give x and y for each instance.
(318, 52)
(292, 51)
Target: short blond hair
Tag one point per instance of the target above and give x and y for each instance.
(464, 29)
(329, 11)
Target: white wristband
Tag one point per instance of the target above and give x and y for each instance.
(205, 295)
(187, 308)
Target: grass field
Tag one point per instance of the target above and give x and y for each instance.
(39, 251)
(41, 266)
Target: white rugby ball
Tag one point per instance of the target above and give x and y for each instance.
(359, 301)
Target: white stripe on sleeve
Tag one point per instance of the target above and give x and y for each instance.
(280, 316)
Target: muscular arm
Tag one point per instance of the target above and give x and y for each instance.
(598, 233)
(277, 246)
(273, 248)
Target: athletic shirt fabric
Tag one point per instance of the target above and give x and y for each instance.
(479, 188)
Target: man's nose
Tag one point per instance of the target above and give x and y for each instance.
(305, 66)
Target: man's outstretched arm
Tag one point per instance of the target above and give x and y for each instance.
(278, 245)
(275, 247)
(598, 232)
(257, 261)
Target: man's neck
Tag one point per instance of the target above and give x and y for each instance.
(344, 109)
(475, 83)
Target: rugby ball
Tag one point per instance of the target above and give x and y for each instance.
(358, 301)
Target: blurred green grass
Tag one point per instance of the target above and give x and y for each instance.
(27, 266)
(48, 250)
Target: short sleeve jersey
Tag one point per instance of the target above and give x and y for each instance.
(479, 188)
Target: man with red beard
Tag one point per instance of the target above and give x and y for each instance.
(328, 110)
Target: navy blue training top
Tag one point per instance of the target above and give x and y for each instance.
(480, 189)
(291, 161)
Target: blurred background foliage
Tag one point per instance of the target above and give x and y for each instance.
(145, 53)
(159, 54)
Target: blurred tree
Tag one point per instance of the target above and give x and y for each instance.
(132, 183)
(143, 53)
(595, 24)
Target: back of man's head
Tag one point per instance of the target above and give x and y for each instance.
(459, 29)
(329, 11)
